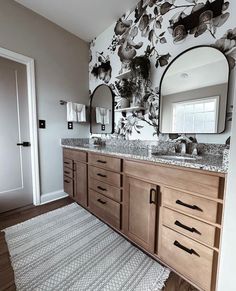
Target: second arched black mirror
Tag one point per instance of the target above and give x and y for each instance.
(102, 110)
(194, 91)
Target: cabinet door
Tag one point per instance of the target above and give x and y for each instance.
(140, 203)
(81, 182)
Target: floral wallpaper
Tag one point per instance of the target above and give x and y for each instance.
(161, 30)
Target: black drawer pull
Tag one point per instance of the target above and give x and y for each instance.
(100, 201)
(102, 162)
(67, 163)
(191, 229)
(190, 251)
(194, 207)
(66, 172)
(66, 181)
(100, 188)
(101, 175)
(151, 199)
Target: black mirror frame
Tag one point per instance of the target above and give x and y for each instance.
(113, 109)
(163, 75)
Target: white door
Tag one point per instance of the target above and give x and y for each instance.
(15, 160)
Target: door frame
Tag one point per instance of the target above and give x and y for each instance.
(30, 69)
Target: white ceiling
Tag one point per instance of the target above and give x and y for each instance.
(208, 75)
(84, 18)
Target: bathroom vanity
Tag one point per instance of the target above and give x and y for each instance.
(171, 211)
(168, 204)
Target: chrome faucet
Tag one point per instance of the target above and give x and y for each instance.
(183, 140)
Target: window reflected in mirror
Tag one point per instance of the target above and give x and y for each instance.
(193, 95)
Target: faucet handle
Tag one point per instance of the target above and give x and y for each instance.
(183, 138)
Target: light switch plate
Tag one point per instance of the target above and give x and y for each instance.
(42, 123)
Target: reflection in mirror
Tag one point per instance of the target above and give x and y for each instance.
(193, 93)
(102, 110)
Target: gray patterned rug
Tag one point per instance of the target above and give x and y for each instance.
(70, 249)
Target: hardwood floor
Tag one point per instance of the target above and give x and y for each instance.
(174, 283)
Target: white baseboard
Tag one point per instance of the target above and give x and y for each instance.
(52, 196)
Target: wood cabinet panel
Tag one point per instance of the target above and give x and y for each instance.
(188, 257)
(69, 186)
(105, 189)
(68, 163)
(105, 162)
(105, 208)
(190, 204)
(81, 188)
(105, 176)
(75, 155)
(68, 172)
(187, 179)
(140, 212)
(189, 226)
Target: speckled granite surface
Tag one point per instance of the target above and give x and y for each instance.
(212, 157)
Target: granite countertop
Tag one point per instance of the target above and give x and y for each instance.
(207, 162)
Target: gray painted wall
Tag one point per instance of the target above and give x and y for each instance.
(61, 61)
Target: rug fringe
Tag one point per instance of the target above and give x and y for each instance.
(161, 282)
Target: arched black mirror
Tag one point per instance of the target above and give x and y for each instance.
(102, 110)
(194, 91)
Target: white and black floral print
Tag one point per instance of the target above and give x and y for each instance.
(156, 29)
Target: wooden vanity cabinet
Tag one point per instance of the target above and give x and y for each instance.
(105, 188)
(75, 175)
(140, 210)
(171, 212)
(81, 181)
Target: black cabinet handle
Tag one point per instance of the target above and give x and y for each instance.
(66, 181)
(100, 201)
(66, 172)
(100, 188)
(189, 251)
(151, 199)
(102, 162)
(191, 229)
(67, 163)
(194, 207)
(101, 175)
(24, 144)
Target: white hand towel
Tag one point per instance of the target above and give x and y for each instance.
(71, 112)
(81, 112)
(106, 116)
(102, 115)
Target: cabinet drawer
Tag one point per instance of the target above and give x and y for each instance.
(68, 163)
(105, 162)
(69, 186)
(105, 208)
(68, 172)
(189, 226)
(187, 257)
(185, 179)
(190, 204)
(75, 155)
(105, 176)
(105, 189)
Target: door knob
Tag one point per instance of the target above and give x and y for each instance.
(24, 144)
